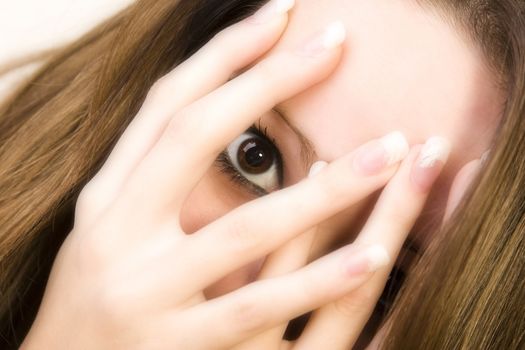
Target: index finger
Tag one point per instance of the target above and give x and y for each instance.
(199, 132)
(210, 67)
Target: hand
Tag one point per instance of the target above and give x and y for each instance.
(128, 276)
(338, 325)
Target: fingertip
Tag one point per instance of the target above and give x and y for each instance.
(316, 168)
(275, 9)
(430, 162)
(460, 185)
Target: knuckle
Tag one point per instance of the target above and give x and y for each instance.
(94, 247)
(158, 90)
(263, 69)
(92, 252)
(242, 236)
(114, 306)
(265, 74)
(220, 37)
(90, 197)
(247, 315)
(186, 125)
(178, 128)
(314, 290)
(353, 304)
(329, 187)
(397, 212)
(282, 71)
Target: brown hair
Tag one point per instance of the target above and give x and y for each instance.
(468, 289)
(58, 128)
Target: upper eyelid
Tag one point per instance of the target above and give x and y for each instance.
(308, 153)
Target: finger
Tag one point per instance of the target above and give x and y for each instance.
(396, 210)
(264, 304)
(198, 133)
(460, 185)
(259, 227)
(207, 69)
(288, 258)
(253, 230)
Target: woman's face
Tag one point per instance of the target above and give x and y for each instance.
(405, 69)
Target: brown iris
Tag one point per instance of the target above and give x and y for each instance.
(255, 156)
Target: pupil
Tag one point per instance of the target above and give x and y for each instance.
(255, 156)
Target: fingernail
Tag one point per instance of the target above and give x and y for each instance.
(272, 9)
(378, 155)
(316, 168)
(485, 157)
(460, 185)
(370, 259)
(430, 162)
(331, 37)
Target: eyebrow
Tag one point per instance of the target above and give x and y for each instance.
(308, 153)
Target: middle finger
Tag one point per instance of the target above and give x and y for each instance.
(197, 133)
(261, 226)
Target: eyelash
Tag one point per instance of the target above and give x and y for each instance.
(226, 166)
(397, 275)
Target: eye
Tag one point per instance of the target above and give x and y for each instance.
(254, 161)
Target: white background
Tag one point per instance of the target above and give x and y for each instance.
(29, 25)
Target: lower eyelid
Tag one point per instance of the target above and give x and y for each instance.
(227, 165)
(227, 168)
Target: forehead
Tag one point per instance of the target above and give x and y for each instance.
(403, 68)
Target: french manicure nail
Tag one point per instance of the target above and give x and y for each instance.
(377, 155)
(272, 9)
(485, 157)
(430, 161)
(371, 259)
(331, 37)
(436, 149)
(316, 168)
(461, 183)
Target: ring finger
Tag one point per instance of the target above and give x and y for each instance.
(399, 205)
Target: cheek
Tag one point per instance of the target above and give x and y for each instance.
(213, 197)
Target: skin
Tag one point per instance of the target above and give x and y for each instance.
(403, 68)
(130, 276)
